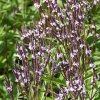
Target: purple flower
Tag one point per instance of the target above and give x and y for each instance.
(67, 83)
(59, 97)
(72, 89)
(65, 90)
(88, 51)
(82, 45)
(92, 65)
(9, 85)
(94, 26)
(9, 88)
(59, 55)
(65, 62)
(37, 5)
(75, 64)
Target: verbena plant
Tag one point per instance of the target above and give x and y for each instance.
(54, 58)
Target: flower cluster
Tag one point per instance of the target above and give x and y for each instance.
(59, 29)
(9, 87)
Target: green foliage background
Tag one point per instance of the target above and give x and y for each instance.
(13, 15)
(16, 13)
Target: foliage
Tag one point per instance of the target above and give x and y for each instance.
(13, 15)
(22, 15)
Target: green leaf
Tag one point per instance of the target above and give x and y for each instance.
(97, 62)
(47, 98)
(54, 80)
(2, 46)
(41, 94)
(2, 77)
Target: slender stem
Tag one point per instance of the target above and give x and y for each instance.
(6, 53)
